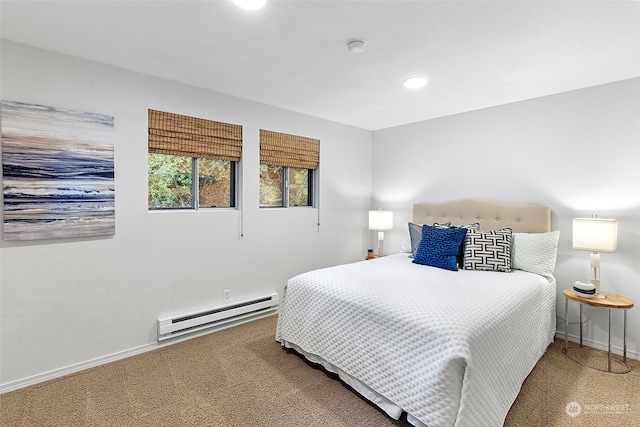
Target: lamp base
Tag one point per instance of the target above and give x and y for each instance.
(595, 274)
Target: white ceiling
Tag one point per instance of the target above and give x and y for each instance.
(293, 54)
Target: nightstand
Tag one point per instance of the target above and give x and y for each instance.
(612, 301)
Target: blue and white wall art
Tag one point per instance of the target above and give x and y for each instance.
(58, 173)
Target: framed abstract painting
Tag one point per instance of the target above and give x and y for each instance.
(58, 173)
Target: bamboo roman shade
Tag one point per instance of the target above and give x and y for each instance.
(189, 136)
(281, 149)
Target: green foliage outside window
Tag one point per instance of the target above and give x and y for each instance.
(214, 183)
(271, 183)
(171, 182)
(272, 186)
(298, 187)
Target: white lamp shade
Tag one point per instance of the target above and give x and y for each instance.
(380, 220)
(595, 234)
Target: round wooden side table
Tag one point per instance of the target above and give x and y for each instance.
(611, 301)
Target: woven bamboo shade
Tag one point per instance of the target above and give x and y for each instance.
(281, 149)
(189, 136)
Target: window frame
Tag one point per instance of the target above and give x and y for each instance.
(233, 178)
(311, 189)
(195, 187)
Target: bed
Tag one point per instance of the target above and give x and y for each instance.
(450, 347)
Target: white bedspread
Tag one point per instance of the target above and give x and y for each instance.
(449, 348)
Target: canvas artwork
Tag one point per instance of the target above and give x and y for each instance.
(58, 172)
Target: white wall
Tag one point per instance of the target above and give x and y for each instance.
(576, 152)
(70, 303)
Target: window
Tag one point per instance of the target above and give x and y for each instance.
(285, 186)
(271, 186)
(171, 184)
(216, 186)
(181, 148)
(287, 169)
(300, 187)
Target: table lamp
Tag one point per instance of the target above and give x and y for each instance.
(380, 221)
(595, 235)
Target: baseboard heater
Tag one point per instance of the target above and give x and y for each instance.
(216, 317)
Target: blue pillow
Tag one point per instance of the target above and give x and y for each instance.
(415, 234)
(439, 246)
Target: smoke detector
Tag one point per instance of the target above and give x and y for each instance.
(355, 45)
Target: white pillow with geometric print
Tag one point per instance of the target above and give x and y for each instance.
(488, 250)
(535, 252)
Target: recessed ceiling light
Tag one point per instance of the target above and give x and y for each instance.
(415, 82)
(250, 4)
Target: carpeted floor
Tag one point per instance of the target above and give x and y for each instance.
(242, 377)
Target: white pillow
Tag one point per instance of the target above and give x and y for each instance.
(406, 238)
(535, 252)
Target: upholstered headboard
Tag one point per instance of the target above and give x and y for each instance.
(491, 215)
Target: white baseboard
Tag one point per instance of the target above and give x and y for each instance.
(597, 345)
(56, 373)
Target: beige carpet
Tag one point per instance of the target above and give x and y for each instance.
(242, 377)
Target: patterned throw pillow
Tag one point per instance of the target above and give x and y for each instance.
(415, 234)
(488, 250)
(438, 247)
(535, 252)
(460, 254)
